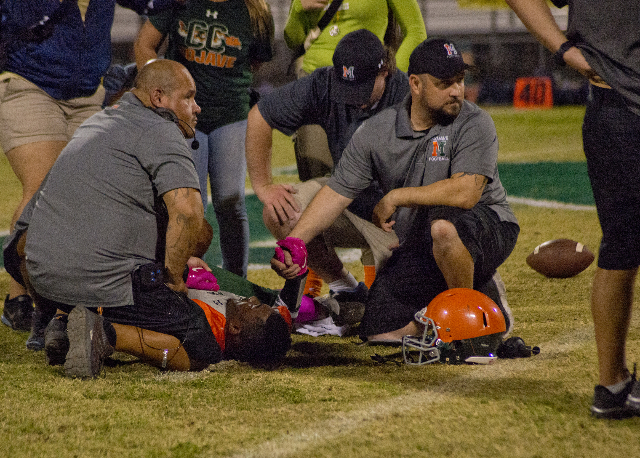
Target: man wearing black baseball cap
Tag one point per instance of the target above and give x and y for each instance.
(358, 66)
(362, 82)
(435, 158)
(437, 63)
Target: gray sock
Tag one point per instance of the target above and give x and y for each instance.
(618, 387)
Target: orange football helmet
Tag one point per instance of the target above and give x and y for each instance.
(458, 323)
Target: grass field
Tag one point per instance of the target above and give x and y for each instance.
(330, 399)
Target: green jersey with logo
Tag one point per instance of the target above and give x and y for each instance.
(215, 41)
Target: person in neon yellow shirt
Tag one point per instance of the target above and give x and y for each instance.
(353, 15)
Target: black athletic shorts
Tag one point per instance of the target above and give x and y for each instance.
(611, 137)
(411, 278)
(11, 258)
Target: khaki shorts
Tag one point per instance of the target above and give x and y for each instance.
(311, 147)
(349, 230)
(28, 114)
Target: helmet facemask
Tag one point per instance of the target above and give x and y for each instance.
(422, 350)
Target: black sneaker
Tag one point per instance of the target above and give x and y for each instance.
(609, 405)
(35, 342)
(88, 344)
(497, 292)
(56, 340)
(633, 399)
(18, 312)
(39, 322)
(350, 305)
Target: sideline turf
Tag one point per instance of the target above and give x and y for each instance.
(561, 182)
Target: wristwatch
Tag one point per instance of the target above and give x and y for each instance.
(558, 56)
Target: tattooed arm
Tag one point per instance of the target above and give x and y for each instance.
(186, 217)
(461, 190)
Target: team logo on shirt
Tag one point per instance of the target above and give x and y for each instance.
(437, 151)
(206, 43)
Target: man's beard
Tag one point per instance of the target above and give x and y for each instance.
(445, 118)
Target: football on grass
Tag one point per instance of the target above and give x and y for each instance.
(561, 258)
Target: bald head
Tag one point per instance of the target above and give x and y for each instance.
(163, 74)
(168, 84)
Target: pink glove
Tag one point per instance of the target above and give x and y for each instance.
(298, 252)
(199, 278)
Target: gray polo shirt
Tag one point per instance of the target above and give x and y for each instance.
(386, 148)
(308, 101)
(95, 219)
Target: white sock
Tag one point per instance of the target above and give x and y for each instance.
(346, 283)
(618, 387)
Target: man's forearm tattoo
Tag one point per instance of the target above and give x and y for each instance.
(481, 180)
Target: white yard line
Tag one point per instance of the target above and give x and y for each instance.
(346, 423)
(345, 254)
(354, 255)
(549, 204)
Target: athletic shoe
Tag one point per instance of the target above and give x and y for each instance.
(18, 312)
(56, 340)
(88, 344)
(35, 342)
(350, 305)
(497, 292)
(39, 322)
(609, 405)
(633, 399)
